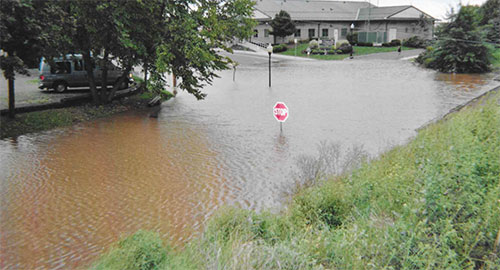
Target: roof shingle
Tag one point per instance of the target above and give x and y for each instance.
(308, 10)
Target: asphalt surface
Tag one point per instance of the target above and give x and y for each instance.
(27, 92)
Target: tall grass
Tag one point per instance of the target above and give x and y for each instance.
(431, 204)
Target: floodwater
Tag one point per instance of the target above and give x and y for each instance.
(66, 195)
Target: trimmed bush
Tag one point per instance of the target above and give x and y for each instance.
(313, 44)
(344, 48)
(317, 51)
(395, 42)
(279, 48)
(352, 38)
(415, 42)
(365, 44)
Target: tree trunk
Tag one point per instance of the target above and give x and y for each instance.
(145, 67)
(118, 83)
(90, 76)
(12, 101)
(104, 77)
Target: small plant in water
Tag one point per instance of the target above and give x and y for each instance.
(332, 160)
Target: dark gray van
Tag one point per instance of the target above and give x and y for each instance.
(70, 72)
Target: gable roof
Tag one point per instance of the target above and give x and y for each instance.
(260, 16)
(312, 10)
(384, 13)
(379, 13)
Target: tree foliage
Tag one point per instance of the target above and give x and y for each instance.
(282, 25)
(489, 11)
(459, 48)
(19, 35)
(176, 36)
(20, 39)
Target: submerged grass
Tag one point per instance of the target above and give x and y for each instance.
(431, 204)
(25, 123)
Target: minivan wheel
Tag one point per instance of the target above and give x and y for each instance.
(60, 87)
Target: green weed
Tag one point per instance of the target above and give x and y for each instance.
(431, 204)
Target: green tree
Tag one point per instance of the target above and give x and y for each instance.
(179, 37)
(282, 25)
(19, 37)
(489, 11)
(192, 37)
(460, 48)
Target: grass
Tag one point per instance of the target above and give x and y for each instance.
(166, 95)
(357, 51)
(34, 81)
(430, 204)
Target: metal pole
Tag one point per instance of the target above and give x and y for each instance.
(234, 72)
(12, 101)
(281, 127)
(269, 69)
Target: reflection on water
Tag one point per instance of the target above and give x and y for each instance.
(67, 194)
(464, 82)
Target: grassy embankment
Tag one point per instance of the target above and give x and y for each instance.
(431, 204)
(54, 118)
(357, 51)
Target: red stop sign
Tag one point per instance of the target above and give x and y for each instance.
(280, 111)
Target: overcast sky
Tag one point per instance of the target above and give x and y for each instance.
(435, 8)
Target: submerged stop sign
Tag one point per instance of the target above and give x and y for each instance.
(280, 111)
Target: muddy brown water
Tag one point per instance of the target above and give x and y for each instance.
(67, 194)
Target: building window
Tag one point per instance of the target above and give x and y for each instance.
(256, 33)
(406, 30)
(343, 32)
(311, 32)
(324, 32)
(297, 33)
(266, 32)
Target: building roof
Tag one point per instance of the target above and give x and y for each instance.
(311, 10)
(379, 13)
(392, 12)
(328, 10)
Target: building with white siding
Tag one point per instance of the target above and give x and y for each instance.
(333, 20)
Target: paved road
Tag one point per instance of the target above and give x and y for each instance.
(27, 92)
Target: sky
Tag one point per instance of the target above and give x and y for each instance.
(435, 8)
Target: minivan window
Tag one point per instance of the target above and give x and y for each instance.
(61, 68)
(78, 64)
(93, 65)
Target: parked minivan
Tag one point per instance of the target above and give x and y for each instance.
(70, 72)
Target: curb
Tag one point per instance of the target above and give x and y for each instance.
(67, 102)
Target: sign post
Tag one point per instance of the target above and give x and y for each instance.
(280, 111)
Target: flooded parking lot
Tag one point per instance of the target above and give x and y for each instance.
(67, 194)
